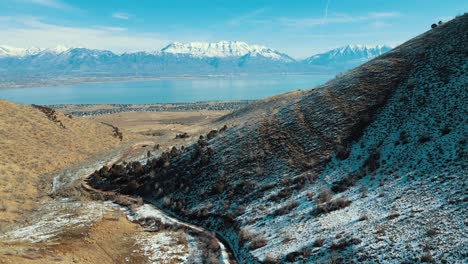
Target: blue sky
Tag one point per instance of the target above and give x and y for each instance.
(299, 28)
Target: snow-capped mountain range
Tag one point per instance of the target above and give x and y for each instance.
(8, 51)
(176, 59)
(224, 49)
(350, 55)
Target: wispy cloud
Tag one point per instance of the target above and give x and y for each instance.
(336, 19)
(326, 11)
(113, 29)
(383, 14)
(247, 17)
(121, 15)
(379, 24)
(56, 4)
(27, 31)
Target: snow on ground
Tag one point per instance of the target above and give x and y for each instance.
(153, 219)
(57, 216)
(76, 173)
(165, 246)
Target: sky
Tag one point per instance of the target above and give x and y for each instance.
(299, 28)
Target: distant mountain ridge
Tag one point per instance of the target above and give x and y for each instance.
(21, 67)
(8, 51)
(221, 49)
(348, 56)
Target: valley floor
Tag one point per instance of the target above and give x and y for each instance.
(65, 224)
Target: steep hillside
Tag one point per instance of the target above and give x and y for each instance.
(369, 167)
(35, 141)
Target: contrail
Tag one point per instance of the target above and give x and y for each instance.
(326, 12)
(324, 17)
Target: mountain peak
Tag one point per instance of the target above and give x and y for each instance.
(60, 48)
(223, 49)
(352, 54)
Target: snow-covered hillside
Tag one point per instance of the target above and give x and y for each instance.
(370, 167)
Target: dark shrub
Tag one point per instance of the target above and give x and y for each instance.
(174, 152)
(212, 134)
(117, 170)
(318, 242)
(137, 168)
(445, 130)
(218, 188)
(285, 193)
(363, 191)
(133, 186)
(363, 218)
(342, 152)
(423, 139)
(255, 240)
(393, 216)
(344, 184)
(293, 256)
(270, 260)
(431, 231)
(258, 242)
(324, 195)
(427, 257)
(285, 209)
(433, 26)
(224, 128)
(403, 137)
(331, 206)
(245, 236)
(183, 135)
(373, 161)
(344, 243)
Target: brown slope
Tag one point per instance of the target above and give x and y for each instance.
(33, 144)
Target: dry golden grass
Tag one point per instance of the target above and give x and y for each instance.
(31, 145)
(162, 127)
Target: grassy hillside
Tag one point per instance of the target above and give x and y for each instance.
(35, 141)
(369, 167)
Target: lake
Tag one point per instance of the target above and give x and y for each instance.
(165, 90)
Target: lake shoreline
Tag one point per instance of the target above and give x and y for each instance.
(181, 90)
(102, 109)
(56, 82)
